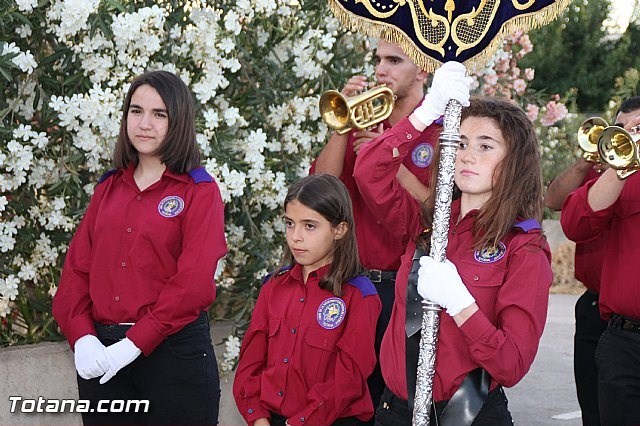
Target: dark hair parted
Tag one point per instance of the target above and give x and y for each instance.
(629, 105)
(517, 193)
(327, 195)
(179, 150)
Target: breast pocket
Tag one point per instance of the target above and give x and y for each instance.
(274, 330)
(321, 346)
(483, 280)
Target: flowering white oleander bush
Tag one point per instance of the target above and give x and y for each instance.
(256, 68)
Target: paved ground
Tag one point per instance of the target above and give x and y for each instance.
(546, 396)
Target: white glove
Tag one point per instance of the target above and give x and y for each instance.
(450, 81)
(90, 358)
(119, 355)
(439, 282)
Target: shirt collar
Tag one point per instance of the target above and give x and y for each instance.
(131, 168)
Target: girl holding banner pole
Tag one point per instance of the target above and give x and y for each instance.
(494, 286)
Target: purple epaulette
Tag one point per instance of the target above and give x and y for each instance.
(363, 284)
(199, 174)
(278, 272)
(528, 225)
(106, 175)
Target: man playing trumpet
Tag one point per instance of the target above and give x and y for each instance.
(603, 217)
(380, 251)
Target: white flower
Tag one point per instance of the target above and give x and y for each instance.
(3, 203)
(68, 17)
(4, 307)
(23, 31)
(26, 5)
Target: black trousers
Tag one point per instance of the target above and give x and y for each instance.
(394, 411)
(386, 291)
(179, 379)
(589, 328)
(617, 360)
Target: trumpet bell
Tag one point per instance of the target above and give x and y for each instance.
(619, 149)
(588, 136)
(343, 113)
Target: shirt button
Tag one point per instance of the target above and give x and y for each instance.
(293, 331)
(250, 411)
(476, 277)
(117, 298)
(301, 299)
(139, 197)
(409, 136)
(129, 230)
(302, 419)
(280, 393)
(124, 264)
(286, 360)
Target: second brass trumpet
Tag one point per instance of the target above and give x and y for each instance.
(343, 113)
(588, 136)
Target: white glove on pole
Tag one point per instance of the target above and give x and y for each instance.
(119, 355)
(450, 81)
(439, 282)
(90, 358)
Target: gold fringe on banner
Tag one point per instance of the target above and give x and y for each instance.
(390, 33)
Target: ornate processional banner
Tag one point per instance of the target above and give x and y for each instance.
(435, 31)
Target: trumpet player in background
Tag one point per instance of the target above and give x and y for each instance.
(601, 213)
(588, 266)
(380, 251)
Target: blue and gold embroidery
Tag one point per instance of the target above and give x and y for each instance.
(422, 155)
(170, 206)
(490, 254)
(331, 313)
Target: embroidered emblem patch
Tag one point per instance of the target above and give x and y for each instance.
(490, 254)
(422, 155)
(331, 313)
(170, 206)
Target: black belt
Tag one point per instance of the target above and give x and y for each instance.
(377, 276)
(118, 331)
(621, 323)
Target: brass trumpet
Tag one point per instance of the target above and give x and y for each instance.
(619, 149)
(588, 136)
(343, 113)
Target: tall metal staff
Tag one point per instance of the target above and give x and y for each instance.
(433, 32)
(449, 139)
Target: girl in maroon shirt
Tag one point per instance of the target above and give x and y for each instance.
(138, 277)
(493, 288)
(309, 348)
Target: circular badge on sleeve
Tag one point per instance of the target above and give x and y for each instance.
(422, 155)
(490, 254)
(170, 206)
(331, 313)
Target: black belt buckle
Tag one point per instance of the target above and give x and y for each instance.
(621, 323)
(375, 275)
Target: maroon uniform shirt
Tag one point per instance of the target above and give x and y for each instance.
(379, 248)
(144, 257)
(619, 290)
(307, 353)
(590, 254)
(510, 284)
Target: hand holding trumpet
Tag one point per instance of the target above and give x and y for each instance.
(612, 146)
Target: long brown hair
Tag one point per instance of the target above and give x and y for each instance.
(517, 192)
(179, 150)
(327, 195)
